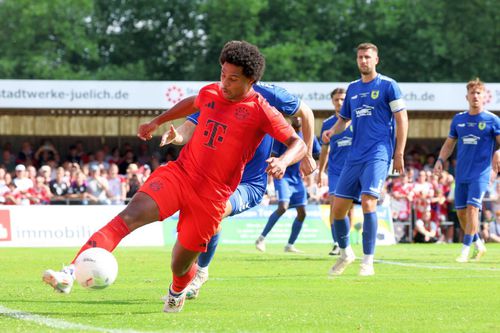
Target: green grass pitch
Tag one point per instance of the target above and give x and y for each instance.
(417, 288)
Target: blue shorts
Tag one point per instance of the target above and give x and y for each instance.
(293, 193)
(333, 179)
(246, 196)
(362, 178)
(469, 194)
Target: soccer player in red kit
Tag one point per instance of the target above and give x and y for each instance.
(233, 120)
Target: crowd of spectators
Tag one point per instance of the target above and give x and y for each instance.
(41, 175)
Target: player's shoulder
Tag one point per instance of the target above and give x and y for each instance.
(385, 78)
(211, 89)
(490, 115)
(330, 119)
(461, 115)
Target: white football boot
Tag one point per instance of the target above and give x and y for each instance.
(61, 281)
(174, 302)
(341, 265)
(194, 287)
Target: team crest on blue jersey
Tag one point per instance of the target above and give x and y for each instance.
(481, 125)
(374, 94)
(241, 113)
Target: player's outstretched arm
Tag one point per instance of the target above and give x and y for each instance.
(401, 118)
(308, 164)
(178, 136)
(340, 126)
(295, 152)
(181, 109)
(444, 154)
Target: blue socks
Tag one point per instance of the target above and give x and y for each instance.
(467, 240)
(271, 222)
(341, 230)
(296, 226)
(205, 258)
(475, 237)
(370, 224)
(334, 236)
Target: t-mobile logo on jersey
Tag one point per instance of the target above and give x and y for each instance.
(5, 234)
(215, 132)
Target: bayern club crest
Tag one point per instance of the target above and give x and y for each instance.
(241, 113)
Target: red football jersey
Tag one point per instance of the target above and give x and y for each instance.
(226, 138)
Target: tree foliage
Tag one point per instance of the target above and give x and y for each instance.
(419, 41)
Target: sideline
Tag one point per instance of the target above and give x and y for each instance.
(462, 267)
(56, 323)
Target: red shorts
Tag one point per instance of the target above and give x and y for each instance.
(199, 217)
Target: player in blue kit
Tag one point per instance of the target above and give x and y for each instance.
(335, 153)
(377, 110)
(477, 132)
(253, 184)
(291, 192)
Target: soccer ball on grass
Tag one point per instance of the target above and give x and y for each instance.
(96, 268)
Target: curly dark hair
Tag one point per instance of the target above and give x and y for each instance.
(246, 55)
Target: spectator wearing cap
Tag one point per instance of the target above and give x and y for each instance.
(21, 181)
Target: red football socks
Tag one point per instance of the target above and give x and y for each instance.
(107, 237)
(180, 283)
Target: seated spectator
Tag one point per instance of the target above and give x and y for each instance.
(492, 231)
(426, 231)
(46, 172)
(59, 187)
(13, 196)
(128, 158)
(423, 191)
(132, 185)
(97, 187)
(26, 155)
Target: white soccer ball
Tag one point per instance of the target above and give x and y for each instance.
(96, 268)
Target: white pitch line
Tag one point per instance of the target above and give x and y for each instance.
(56, 323)
(461, 268)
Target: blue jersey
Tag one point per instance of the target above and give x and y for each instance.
(292, 172)
(283, 101)
(370, 106)
(340, 144)
(476, 135)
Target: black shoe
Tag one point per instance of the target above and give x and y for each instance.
(335, 251)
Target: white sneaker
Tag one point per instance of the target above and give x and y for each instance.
(291, 248)
(260, 245)
(173, 303)
(462, 258)
(366, 270)
(478, 253)
(335, 250)
(61, 281)
(341, 265)
(193, 289)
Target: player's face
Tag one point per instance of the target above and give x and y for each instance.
(235, 85)
(367, 61)
(337, 101)
(475, 97)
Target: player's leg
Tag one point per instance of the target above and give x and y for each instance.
(246, 196)
(348, 189)
(474, 206)
(299, 201)
(141, 210)
(297, 224)
(183, 271)
(199, 221)
(332, 184)
(372, 181)
(284, 194)
(370, 225)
